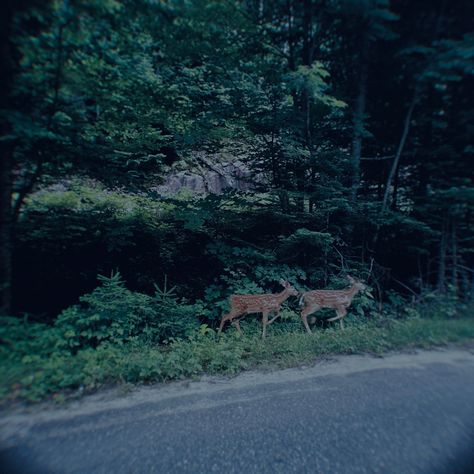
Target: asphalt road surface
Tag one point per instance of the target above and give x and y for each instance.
(404, 413)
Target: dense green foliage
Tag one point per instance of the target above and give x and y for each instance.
(37, 364)
(352, 119)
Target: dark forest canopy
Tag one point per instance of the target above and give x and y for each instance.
(355, 119)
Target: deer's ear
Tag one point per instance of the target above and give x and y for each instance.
(283, 282)
(350, 279)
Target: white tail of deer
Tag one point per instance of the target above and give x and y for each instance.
(339, 300)
(241, 305)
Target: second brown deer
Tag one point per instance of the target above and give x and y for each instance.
(339, 300)
(241, 305)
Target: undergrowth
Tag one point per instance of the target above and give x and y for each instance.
(53, 372)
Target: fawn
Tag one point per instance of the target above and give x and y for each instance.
(339, 300)
(241, 305)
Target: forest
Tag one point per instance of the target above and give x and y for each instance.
(158, 156)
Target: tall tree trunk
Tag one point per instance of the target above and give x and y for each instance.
(395, 164)
(6, 162)
(395, 189)
(442, 260)
(291, 40)
(401, 146)
(454, 251)
(307, 60)
(380, 186)
(471, 292)
(6, 226)
(36, 174)
(358, 115)
(9, 211)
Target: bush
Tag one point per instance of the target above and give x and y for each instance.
(112, 313)
(20, 337)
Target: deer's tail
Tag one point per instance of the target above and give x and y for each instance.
(301, 300)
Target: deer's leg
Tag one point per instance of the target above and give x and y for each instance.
(226, 317)
(304, 319)
(275, 317)
(236, 324)
(341, 312)
(305, 312)
(341, 321)
(221, 325)
(264, 324)
(338, 316)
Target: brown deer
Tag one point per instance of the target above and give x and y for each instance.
(339, 300)
(241, 305)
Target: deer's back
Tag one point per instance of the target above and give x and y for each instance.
(253, 303)
(328, 298)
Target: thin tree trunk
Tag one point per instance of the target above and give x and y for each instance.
(291, 42)
(28, 188)
(420, 275)
(379, 186)
(6, 227)
(261, 10)
(395, 189)
(395, 164)
(311, 200)
(9, 212)
(398, 154)
(454, 251)
(442, 260)
(471, 293)
(6, 162)
(284, 200)
(307, 60)
(358, 116)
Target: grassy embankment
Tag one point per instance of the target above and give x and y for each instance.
(34, 377)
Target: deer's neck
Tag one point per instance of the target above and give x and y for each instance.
(282, 296)
(352, 291)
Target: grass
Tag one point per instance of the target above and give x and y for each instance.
(62, 375)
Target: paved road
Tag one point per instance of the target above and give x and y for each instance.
(405, 413)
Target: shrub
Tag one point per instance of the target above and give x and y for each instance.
(112, 313)
(20, 337)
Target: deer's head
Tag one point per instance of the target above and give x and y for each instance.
(360, 285)
(291, 291)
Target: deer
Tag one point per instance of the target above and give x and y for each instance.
(241, 305)
(339, 300)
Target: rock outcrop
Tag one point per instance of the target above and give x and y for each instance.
(207, 173)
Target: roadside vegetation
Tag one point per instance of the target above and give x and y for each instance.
(119, 337)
